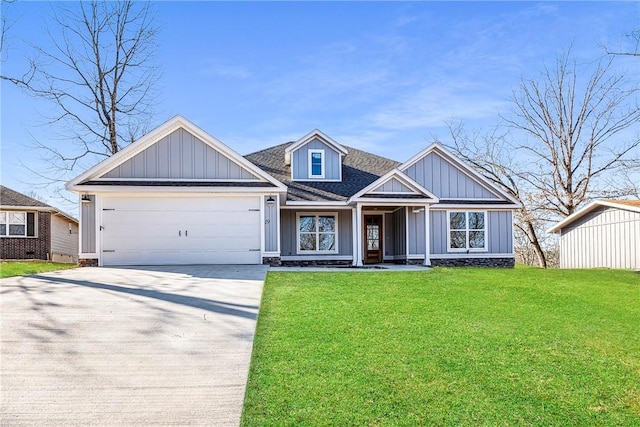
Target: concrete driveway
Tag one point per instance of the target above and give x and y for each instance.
(128, 346)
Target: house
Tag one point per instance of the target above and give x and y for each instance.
(31, 229)
(606, 233)
(180, 196)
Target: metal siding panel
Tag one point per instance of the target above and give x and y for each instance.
(188, 142)
(175, 153)
(436, 170)
(270, 227)
(416, 233)
(151, 161)
(88, 226)
(345, 233)
(287, 232)
(299, 164)
(163, 157)
(389, 231)
(199, 161)
(222, 166)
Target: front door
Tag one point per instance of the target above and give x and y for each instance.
(373, 239)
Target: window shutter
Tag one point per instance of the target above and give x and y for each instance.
(31, 224)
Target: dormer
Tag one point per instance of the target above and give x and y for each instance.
(315, 157)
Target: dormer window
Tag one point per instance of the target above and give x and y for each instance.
(316, 163)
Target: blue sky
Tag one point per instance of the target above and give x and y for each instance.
(379, 76)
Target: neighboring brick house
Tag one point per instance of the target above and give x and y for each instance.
(31, 229)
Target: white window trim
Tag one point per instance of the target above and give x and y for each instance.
(316, 214)
(466, 249)
(322, 162)
(26, 231)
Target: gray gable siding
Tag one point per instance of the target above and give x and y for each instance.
(270, 226)
(300, 161)
(445, 180)
(180, 155)
(606, 237)
(88, 224)
(288, 233)
(393, 186)
(416, 233)
(498, 232)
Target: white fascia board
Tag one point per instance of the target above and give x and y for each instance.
(316, 204)
(400, 176)
(487, 207)
(320, 135)
(370, 201)
(157, 134)
(436, 146)
(587, 209)
(124, 189)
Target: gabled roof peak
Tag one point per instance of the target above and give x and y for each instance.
(317, 133)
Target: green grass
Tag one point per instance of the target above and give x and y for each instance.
(447, 347)
(19, 268)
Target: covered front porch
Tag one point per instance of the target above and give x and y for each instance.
(391, 233)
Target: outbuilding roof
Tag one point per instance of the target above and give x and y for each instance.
(632, 205)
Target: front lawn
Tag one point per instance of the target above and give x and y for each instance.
(447, 347)
(20, 268)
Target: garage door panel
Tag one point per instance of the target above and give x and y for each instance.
(181, 230)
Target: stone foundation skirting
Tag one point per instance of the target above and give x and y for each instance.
(272, 261)
(87, 262)
(474, 262)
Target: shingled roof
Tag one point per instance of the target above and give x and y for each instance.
(359, 169)
(11, 198)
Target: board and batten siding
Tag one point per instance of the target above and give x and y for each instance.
(445, 180)
(392, 186)
(270, 225)
(88, 224)
(288, 233)
(499, 233)
(606, 237)
(300, 161)
(417, 236)
(64, 239)
(180, 155)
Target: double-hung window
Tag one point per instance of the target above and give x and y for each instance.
(467, 231)
(317, 233)
(17, 224)
(316, 163)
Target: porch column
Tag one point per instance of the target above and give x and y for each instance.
(358, 235)
(427, 244)
(354, 236)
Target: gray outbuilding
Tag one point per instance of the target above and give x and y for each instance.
(605, 233)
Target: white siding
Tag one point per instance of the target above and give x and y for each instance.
(64, 242)
(606, 237)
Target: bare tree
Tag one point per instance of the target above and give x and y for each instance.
(632, 50)
(576, 130)
(574, 142)
(493, 155)
(99, 74)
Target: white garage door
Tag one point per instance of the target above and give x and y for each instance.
(165, 230)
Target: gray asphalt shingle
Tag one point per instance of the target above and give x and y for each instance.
(359, 169)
